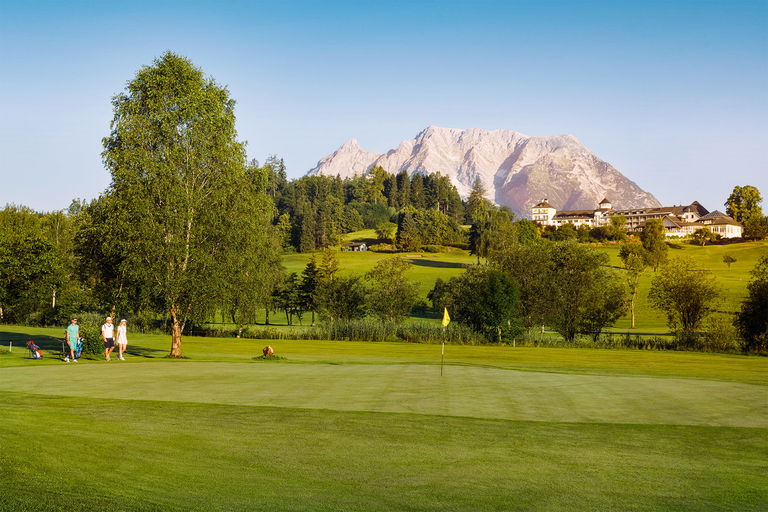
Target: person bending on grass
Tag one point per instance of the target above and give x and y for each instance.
(108, 335)
(122, 339)
(72, 335)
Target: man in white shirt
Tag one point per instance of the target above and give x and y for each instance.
(108, 335)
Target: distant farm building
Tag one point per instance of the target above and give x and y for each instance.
(354, 246)
(678, 221)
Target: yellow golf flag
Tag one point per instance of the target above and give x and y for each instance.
(446, 317)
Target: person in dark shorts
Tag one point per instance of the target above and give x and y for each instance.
(108, 335)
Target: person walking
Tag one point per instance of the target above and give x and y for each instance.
(108, 335)
(72, 335)
(122, 339)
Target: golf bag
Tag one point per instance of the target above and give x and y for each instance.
(65, 349)
(34, 350)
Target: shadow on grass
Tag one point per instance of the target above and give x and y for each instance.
(139, 351)
(20, 340)
(436, 264)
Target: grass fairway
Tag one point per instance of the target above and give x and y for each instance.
(364, 426)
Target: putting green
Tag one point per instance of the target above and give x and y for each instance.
(373, 426)
(467, 391)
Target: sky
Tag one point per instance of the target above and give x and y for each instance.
(672, 94)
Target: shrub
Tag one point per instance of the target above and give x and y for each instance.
(90, 331)
(720, 335)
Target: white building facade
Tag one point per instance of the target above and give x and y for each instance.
(678, 221)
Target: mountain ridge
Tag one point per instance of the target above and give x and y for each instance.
(517, 170)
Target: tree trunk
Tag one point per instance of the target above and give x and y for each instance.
(175, 333)
(632, 312)
(53, 300)
(313, 318)
(266, 316)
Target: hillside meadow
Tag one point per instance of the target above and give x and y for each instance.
(428, 267)
(374, 426)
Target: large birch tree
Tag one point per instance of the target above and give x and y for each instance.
(183, 209)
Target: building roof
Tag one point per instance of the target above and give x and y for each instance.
(696, 208)
(714, 214)
(543, 204)
(569, 214)
(605, 200)
(720, 220)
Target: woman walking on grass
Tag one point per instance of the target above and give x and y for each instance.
(122, 339)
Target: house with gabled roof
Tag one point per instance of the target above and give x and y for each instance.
(678, 220)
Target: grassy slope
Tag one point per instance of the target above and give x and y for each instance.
(362, 426)
(445, 265)
(733, 282)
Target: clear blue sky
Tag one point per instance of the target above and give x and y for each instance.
(673, 94)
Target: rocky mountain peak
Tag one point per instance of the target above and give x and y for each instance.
(516, 169)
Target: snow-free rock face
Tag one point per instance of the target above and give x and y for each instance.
(516, 169)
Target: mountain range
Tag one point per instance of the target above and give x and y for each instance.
(517, 170)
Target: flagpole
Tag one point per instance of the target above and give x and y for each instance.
(442, 356)
(446, 321)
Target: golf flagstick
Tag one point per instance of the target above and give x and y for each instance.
(446, 321)
(442, 357)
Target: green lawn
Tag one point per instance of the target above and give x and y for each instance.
(373, 426)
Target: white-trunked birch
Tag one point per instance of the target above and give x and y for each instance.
(185, 210)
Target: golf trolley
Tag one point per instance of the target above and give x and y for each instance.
(65, 349)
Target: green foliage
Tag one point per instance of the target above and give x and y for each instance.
(90, 332)
(373, 214)
(703, 235)
(752, 319)
(289, 298)
(477, 204)
(329, 264)
(564, 232)
(633, 256)
(273, 357)
(180, 192)
(617, 229)
(310, 279)
(654, 242)
(385, 231)
(607, 303)
(340, 298)
(756, 227)
(728, 260)
(565, 286)
(321, 208)
(527, 231)
(485, 299)
(686, 294)
(492, 230)
(527, 264)
(368, 329)
(416, 228)
(390, 295)
(585, 234)
(581, 295)
(28, 265)
(744, 203)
